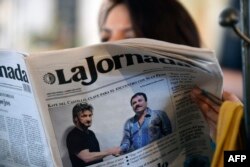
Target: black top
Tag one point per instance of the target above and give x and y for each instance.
(77, 141)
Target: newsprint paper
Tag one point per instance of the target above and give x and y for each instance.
(39, 91)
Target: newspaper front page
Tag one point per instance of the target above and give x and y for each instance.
(22, 137)
(107, 76)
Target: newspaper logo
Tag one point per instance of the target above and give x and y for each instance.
(49, 78)
(236, 159)
(88, 73)
(15, 73)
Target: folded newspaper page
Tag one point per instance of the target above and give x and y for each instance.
(22, 136)
(136, 95)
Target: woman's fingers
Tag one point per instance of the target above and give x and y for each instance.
(209, 108)
(210, 114)
(203, 101)
(230, 97)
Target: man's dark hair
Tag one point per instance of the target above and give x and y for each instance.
(138, 94)
(80, 107)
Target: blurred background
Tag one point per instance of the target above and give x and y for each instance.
(41, 25)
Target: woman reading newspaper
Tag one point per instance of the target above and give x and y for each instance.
(120, 19)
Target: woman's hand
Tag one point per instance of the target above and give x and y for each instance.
(210, 108)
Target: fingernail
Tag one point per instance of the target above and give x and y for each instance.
(196, 91)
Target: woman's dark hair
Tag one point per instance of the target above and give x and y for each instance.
(165, 20)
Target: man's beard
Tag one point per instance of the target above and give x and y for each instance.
(83, 126)
(138, 112)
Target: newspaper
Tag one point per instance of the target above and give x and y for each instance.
(107, 76)
(22, 136)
